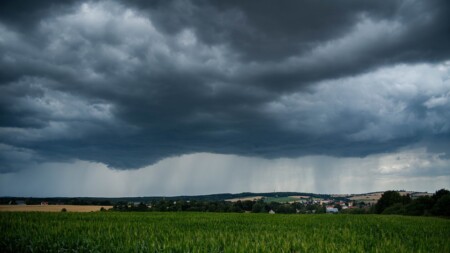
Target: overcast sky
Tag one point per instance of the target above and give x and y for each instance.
(145, 98)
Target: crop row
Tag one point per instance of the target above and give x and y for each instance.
(215, 232)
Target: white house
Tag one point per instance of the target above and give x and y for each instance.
(332, 210)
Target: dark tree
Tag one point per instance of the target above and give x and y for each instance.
(419, 206)
(387, 199)
(438, 194)
(397, 208)
(259, 207)
(442, 206)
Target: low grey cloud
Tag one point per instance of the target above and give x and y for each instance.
(193, 175)
(130, 83)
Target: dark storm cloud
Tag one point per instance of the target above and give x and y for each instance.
(26, 14)
(265, 31)
(129, 83)
(270, 33)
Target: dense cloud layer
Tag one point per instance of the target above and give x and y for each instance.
(412, 169)
(127, 83)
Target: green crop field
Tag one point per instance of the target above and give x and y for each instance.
(280, 199)
(220, 232)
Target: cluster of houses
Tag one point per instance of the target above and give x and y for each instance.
(342, 204)
(330, 204)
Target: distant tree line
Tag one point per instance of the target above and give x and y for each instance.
(220, 206)
(391, 202)
(57, 201)
(111, 201)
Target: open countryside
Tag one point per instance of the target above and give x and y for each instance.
(233, 226)
(220, 232)
(225, 126)
(50, 208)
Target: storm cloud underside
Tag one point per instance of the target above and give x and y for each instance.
(130, 83)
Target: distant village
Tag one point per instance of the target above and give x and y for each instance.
(335, 203)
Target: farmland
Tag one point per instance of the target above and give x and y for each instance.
(220, 232)
(50, 208)
(280, 199)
